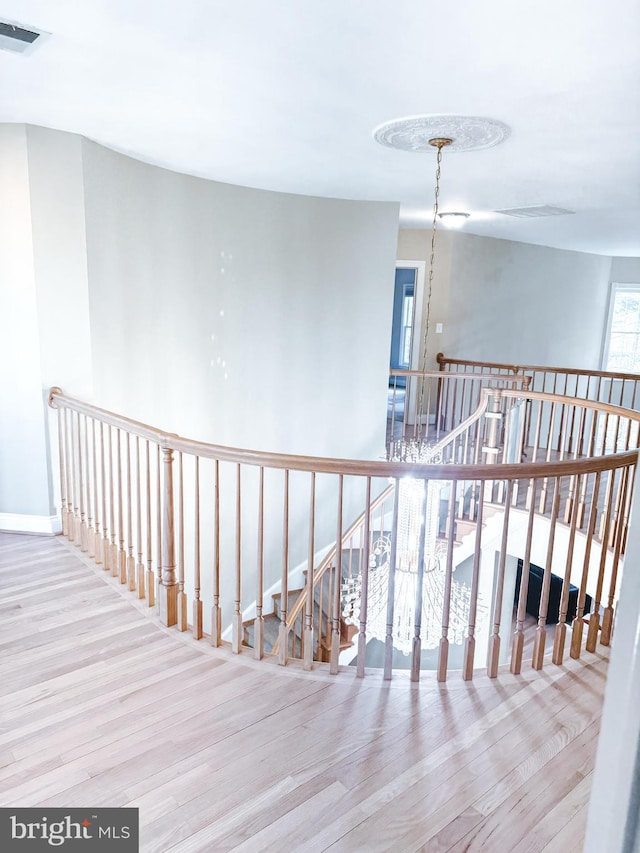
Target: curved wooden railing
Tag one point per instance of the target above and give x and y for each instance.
(620, 389)
(183, 521)
(432, 403)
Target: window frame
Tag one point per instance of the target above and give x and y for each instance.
(616, 287)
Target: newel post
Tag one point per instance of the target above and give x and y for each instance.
(168, 588)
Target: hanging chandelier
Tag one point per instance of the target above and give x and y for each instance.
(419, 576)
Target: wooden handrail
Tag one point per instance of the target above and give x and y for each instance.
(375, 468)
(519, 368)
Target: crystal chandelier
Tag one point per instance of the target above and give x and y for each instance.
(419, 574)
(417, 499)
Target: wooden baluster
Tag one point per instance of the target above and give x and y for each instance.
(70, 474)
(521, 434)
(448, 416)
(182, 596)
(82, 538)
(168, 590)
(216, 610)
(97, 539)
(197, 603)
(283, 636)
(605, 514)
(321, 618)
(517, 644)
(473, 496)
(562, 418)
(618, 508)
(258, 627)
(364, 594)
(573, 444)
(494, 641)
(131, 560)
(443, 651)
(627, 511)
(543, 494)
(91, 533)
(561, 627)
(411, 383)
(140, 578)
(392, 432)
(74, 528)
(419, 396)
(115, 559)
(594, 619)
(103, 496)
(388, 645)
(536, 434)
(427, 408)
(467, 435)
(307, 633)
(541, 631)
(159, 522)
(76, 538)
(335, 607)
(574, 488)
(582, 503)
(62, 429)
(150, 580)
(122, 554)
(416, 650)
(470, 641)
(577, 626)
(607, 616)
(113, 547)
(236, 635)
(442, 388)
(616, 436)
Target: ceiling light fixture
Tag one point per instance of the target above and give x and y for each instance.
(453, 218)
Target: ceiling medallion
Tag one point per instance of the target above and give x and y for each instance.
(468, 133)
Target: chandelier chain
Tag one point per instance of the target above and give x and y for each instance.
(439, 144)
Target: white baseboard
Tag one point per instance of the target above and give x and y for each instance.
(45, 525)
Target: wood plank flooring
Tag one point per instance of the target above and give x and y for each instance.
(102, 707)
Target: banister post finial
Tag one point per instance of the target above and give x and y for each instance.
(53, 392)
(168, 588)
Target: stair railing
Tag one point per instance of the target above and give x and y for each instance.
(613, 387)
(430, 404)
(176, 520)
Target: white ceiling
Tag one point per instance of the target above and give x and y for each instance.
(285, 94)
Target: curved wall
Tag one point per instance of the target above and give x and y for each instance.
(239, 316)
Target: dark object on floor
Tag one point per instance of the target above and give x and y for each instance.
(534, 591)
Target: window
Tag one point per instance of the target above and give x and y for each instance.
(407, 328)
(622, 350)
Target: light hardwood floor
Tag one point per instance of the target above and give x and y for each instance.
(102, 707)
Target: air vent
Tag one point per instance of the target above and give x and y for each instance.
(535, 211)
(17, 38)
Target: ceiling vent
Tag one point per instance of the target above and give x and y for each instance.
(535, 211)
(17, 38)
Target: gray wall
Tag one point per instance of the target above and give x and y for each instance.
(625, 270)
(511, 302)
(24, 482)
(239, 316)
(44, 322)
